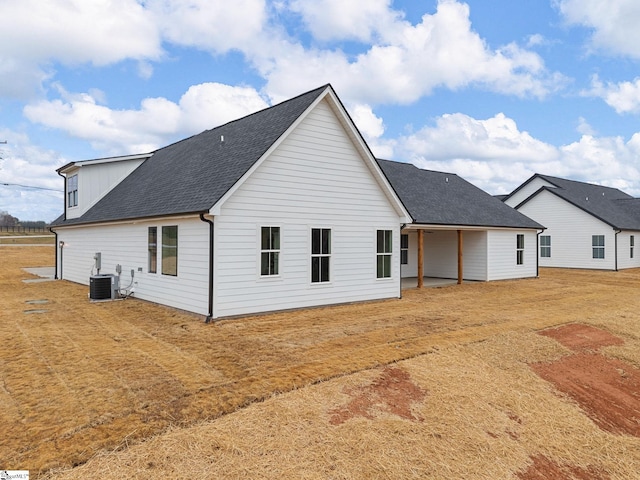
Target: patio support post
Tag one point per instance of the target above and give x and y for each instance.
(460, 259)
(420, 258)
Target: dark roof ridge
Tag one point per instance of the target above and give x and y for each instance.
(417, 167)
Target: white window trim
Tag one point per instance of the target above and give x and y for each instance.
(599, 247)
(312, 255)
(268, 278)
(520, 250)
(376, 254)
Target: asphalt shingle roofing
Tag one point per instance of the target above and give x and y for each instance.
(190, 176)
(612, 206)
(437, 198)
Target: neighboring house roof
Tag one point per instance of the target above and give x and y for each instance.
(610, 205)
(192, 175)
(437, 198)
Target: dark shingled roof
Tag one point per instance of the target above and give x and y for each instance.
(190, 176)
(437, 198)
(608, 204)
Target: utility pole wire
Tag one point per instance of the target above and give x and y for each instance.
(29, 186)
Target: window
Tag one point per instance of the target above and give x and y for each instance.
(632, 243)
(597, 243)
(320, 254)
(270, 251)
(72, 191)
(383, 253)
(170, 250)
(545, 246)
(153, 249)
(404, 249)
(519, 249)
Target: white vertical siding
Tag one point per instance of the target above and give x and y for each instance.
(571, 230)
(127, 245)
(624, 250)
(526, 191)
(502, 263)
(315, 178)
(95, 181)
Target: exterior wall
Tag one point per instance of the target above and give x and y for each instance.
(127, 245)
(502, 264)
(315, 178)
(571, 230)
(441, 255)
(526, 191)
(95, 181)
(411, 268)
(624, 251)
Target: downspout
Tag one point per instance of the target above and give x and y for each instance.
(211, 245)
(538, 253)
(400, 256)
(55, 277)
(616, 248)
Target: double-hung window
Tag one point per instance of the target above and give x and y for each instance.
(404, 249)
(384, 252)
(269, 251)
(320, 255)
(170, 250)
(597, 245)
(72, 191)
(632, 243)
(519, 249)
(153, 249)
(545, 246)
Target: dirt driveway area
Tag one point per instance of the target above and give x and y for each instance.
(462, 379)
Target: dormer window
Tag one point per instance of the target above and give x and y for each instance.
(72, 191)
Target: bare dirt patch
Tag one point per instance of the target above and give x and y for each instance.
(579, 337)
(543, 468)
(393, 392)
(607, 389)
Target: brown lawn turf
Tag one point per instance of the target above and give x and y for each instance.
(135, 390)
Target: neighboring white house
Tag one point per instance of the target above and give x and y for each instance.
(587, 225)
(459, 231)
(284, 208)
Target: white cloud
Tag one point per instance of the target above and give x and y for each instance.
(623, 97)
(348, 19)
(409, 62)
(153, 125)
(584, 127)
(25, 171)
(614, 23)
(496, 156)
(213, 25)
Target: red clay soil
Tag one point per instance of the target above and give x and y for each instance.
(608, 390)
(544, 469)
(393, 392)
(582, 338)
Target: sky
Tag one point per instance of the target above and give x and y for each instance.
(491, 90)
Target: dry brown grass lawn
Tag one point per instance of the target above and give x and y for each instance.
(83, 380)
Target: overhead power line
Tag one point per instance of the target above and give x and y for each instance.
(30, 186)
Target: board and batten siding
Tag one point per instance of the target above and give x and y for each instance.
(95, 181)
(314, 179)
(127, 245)
(441, 254)
(571, 230)
(502, 257)
(624, 250)
(526, 191)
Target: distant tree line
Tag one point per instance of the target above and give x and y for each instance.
(8, 221)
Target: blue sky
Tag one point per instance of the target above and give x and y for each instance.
(493, 90)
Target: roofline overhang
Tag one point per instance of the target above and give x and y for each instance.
(133, 221)
(98, 161)
(446, 227)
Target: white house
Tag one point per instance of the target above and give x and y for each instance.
(284, 208)
(459, 231)
(587, 225)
